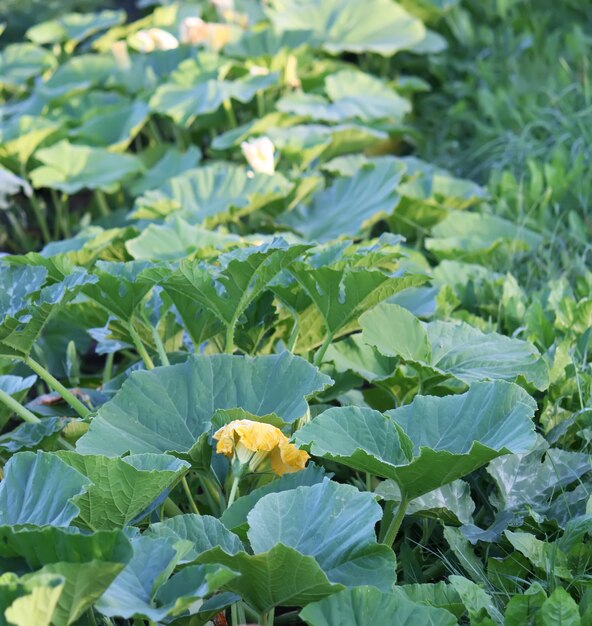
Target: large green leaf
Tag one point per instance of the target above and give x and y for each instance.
(186, 103)
(123, 489)
(138, 589)
(71, 168)
(88, 563)
(114, 128)
(238, 280)
(30, 600)
(168, 408)
(175, 240)
(322, 534)
(339, 295)
(22, 61)
(350, 205)
(378, 26)
(455, 349)
(39, 488)
(212, 194)
(367, 606)
(455, 435)
(203, 531)
(352, 95)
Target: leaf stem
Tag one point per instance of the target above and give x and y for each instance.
(18, 408)
(148, 362)
(267, 618)
(56, 385)
(229, 343)
(40, 217)
(108, 369)
(320, 353)
(393, 528)
(230, 116)
(190, 499)
(162, 355)
(233, 491)
(102, 202)
(171, 509)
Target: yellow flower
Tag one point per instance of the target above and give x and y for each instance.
(251, 443)
(193, 31)
(148, 40)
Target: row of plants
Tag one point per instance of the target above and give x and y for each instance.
(259, 362)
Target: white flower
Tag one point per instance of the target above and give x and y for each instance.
(153, 39)
(258, 70)
(10, 185)
(260, 154)
(194, 30)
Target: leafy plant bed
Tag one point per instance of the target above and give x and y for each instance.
(259, 362)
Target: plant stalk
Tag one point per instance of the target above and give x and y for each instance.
(18, 408)
(233, 491)
(320, 353)
(102, 202)
(192, 504)
(393, 527)
(148, 362)
(56, 385)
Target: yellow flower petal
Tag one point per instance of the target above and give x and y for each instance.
(287, 459)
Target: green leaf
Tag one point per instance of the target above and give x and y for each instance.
(455, 435)
(544, 555)
(71, 168)
(203, 531)
(350, 205)
(74, 27)
(186, 103)
(163, 162)
(30, 435)
(377, 26)
(341, 295)
(176, 240)
(366, 606)
(323, 534)
(86, 563)
(235, 516)
(29, 601)
(39, 488)
(118, 288)
(525, 608)
(114, 128)
(212, 194)
(560, 608)
(478, 237)
(240, 278)
(123, 490)
(168, 408)
(20, 62)
(476, 600)
(140, 587)
(352, 95)
(456, 349)
(441, 595)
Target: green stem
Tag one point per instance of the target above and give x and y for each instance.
(56, 385)
(230, 116)
(233, 491)
(108, 369)
(40, 217)
(190, 499)
(320, 353)
(267, 618)
(171, 509)
(102, 203)
(229, 343)
(393, 528)
(18, 408)
(140, 347)
(162, 355)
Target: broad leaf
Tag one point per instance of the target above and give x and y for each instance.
(39, 488)
(176, 240)
(29, 601)
(350, 205)
(168, 408)
(455, 349)
(378, 26)
(123, 490)
(212, 194)
(323, 534)
(455, 435)
(367, 606)
(71, 168)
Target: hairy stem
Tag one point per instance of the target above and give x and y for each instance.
(17, 408)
